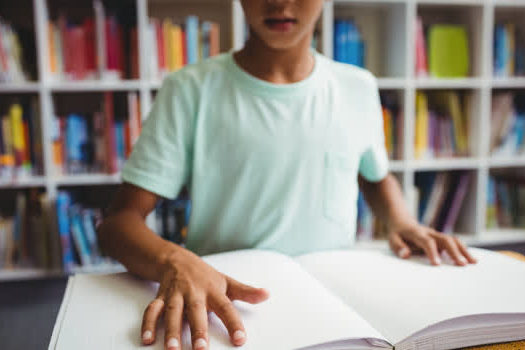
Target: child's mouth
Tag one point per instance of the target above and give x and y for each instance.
(280, 24)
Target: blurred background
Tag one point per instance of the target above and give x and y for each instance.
(77, 79)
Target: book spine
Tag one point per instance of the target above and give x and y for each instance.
(63, 202)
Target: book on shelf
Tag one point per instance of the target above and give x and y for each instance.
(393, 124)
(20, 141)
(324, 300)
(441, 197)
(12, 65)
(172, 219)
(441, 124)
(442, 50)
(509, 50)
(174, 45)
(98, 142)
(506, 201)
(349, 46)
(93, 48)
(507, 131)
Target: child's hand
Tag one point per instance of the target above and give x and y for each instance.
(408, 238)
(190, 287)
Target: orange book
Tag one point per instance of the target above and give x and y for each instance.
(214, 39)
(52, 47)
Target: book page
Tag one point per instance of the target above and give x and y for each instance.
(400, 297)
(105, 311)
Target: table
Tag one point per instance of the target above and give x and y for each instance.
(28, 310)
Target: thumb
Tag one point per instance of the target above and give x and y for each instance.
(398, 246)
(239, 291)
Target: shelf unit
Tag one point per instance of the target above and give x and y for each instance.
(395, 74)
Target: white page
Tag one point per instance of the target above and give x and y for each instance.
(400, 297)
(105, 312)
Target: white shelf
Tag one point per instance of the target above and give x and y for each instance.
(20, 274)
(19, 87)
(449, 2)
(499, 236)
(34, 181)
(518, 161)
(396, 165)
(392, 83)
(87, 179)
(509, 83)
(442, 83)
(444, 164)
(95, 85)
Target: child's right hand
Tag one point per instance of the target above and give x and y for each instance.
(192, 288)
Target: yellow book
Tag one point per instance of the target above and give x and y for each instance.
(450, 101)
(17, 130)
(177, 46)
(421, 139)
(8, 158)
(387, 126)
(52, 47)
(168, 44)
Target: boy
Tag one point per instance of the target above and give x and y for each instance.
(270, 140)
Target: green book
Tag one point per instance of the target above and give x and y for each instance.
(448, 51)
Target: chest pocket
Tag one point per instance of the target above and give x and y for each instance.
(340, 187)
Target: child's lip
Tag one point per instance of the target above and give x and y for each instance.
(280, 24)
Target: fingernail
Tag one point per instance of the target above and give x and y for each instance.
(239, 335)
(437, 260)
(200, 344)
(173, 344)
(403, 252)
(463, 260)
(147, 335)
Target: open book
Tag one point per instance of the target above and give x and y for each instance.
(328, 300)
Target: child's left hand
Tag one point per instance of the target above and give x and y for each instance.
(411, 237)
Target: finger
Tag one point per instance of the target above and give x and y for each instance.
(463, 249)
(150, 319)
(198, 320)
(224, 309)
(429, 246)
(173, 322)
(450, 245)
(239, 291)
(398, 246)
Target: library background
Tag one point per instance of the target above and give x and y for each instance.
(77, 81)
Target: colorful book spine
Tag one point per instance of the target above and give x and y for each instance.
(63, 202)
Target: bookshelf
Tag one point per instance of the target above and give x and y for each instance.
(392, 29)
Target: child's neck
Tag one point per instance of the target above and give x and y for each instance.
(278, 66)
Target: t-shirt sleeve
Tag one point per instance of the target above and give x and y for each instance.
(161, 158)
(373, 165)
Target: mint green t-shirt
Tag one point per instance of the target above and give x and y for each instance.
(268, 166)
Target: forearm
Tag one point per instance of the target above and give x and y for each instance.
(125, 237)
(386, 200)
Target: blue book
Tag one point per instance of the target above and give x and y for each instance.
(63, 202)
(519, 129)
(120, 143)
(205, 39)
(88, 224)
(192, 39)
(355, 45)
(79, 237)
(339, 38)
(76, 141)
(499, 43)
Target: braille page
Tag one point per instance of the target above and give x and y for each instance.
(105, 311)
(401, 297)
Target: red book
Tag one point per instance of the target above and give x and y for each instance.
(110, 46)
(119, 56)
(161, 54)
(111, 147)
(127, 140)
(90, 42)
(66, 42)
(78, 53)
(134, 69)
